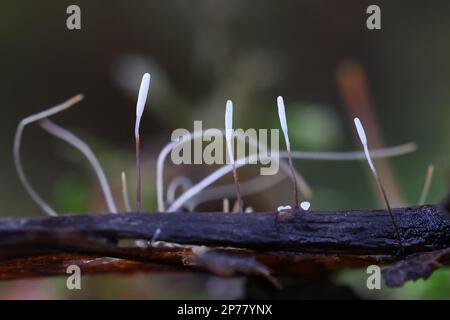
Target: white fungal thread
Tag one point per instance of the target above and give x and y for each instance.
(173, 186)
(260, 184)
(16, 149)
(302, 183)
(251, 186)
(306, 155)
(79, 144)
(356, 155)
(126, 198)
(216, 175)
(426, 185)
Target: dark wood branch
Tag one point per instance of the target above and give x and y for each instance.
(423, 228)
(289, 244)
(446, 202)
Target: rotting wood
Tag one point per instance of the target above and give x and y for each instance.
(305, 242)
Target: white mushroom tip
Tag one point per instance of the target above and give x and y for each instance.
(283, 121)
(305, 205)
(229, 115)
(361, 132)
(229, 128)
(280, 101)
(282, 113)
(142, 96)
(142, 99)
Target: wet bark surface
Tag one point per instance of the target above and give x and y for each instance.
(265, 244)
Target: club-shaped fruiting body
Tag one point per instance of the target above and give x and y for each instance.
(142, 99)
(140, 105)
(363, 138)
(229, 138)
(229, 129)
(283, 121)
(284, 127)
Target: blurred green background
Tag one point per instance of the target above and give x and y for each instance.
(318, 54)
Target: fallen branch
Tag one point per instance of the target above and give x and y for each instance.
(267, 244)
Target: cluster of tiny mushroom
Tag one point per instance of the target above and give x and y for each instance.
(193, 190)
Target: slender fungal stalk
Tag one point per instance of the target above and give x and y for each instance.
(363, 138)
(284, 127)
(226, 205)
(138, 174)
(16, 150)
(142, 98)
(173, 186)
(126, 198)
(79, 144)
(155, 237)
(229, 138)
(426, 185)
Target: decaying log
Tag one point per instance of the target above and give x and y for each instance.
(266, 244)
